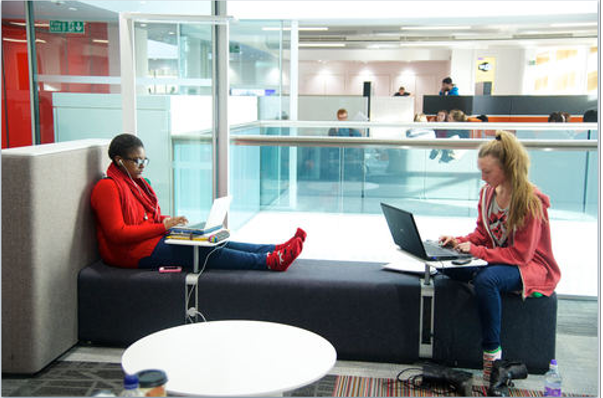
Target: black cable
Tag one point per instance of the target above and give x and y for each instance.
(413, 383)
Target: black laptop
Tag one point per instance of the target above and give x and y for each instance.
(406, 235)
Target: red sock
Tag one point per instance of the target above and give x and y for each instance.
(300, 233)
(281, 259)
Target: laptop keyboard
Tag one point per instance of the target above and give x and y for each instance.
(434, 249)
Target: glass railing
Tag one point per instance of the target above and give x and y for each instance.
(298, 166)
(285, 174)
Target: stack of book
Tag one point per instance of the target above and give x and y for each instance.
(187, 236)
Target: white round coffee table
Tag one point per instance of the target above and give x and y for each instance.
(233, 358)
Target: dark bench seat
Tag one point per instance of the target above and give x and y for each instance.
(366, 313)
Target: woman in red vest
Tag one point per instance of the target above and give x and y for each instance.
(131, 230)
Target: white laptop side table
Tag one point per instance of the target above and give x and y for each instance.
(193, 278)
(233, 358)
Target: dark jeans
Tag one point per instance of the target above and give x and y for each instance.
(234, 255)
(489, 282)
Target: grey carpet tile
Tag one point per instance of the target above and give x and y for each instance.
(322, 388)
(67, 379)
(578, 317)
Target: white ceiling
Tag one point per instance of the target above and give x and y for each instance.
(376, 25)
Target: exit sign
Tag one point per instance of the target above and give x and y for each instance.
(66, 27)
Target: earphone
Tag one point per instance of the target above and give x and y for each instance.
(137, 187)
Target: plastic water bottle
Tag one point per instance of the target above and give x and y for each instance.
(552, 381)
(131, 387)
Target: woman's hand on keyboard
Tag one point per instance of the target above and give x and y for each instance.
(447, 240)
(464, 247)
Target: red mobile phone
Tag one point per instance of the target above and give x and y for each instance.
(170, 268)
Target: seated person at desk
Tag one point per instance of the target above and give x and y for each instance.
(401, 92)
(342, 116)
(512, 235)
(420, 132)
(448, 88)
(131, 231)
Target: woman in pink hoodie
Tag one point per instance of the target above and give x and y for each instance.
(512, 235)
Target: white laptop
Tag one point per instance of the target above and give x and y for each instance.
(215, 219)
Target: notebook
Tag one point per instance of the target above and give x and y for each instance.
(406, 235)
(215, 219)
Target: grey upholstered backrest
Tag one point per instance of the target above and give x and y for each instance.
(48, 235)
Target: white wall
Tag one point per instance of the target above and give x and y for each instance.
(347, 77)
(510, 69)
(461, 70)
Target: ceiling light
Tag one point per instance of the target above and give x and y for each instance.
(72, 9)
(100, 41)
(321, 44)
(565, 25)
(435, 27)
(300, 28)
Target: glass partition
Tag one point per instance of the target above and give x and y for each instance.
(340, 182)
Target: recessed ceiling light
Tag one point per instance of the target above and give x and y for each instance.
(435, 27)
(321, 44)
(72, 9)
(300, 28)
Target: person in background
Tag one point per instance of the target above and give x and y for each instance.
(512, 235)
(402, 92)
(566, 117)
(458, 116)
(590, 116)
(448, 88)
(131, 230)
(556, 117)
(483, 118)
(441, 117)
(420, 132)
(342, 116)
(454, 116)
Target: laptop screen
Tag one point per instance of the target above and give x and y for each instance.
(218, 211)
(404, 230)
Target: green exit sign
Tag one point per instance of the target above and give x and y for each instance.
(66, 27)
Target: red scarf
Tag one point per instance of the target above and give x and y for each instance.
(129, 191)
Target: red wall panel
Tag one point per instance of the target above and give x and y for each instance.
(57, 54)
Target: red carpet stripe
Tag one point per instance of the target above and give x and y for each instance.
(354, 386)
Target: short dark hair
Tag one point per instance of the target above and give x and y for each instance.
(123, 144)
(447, 80)
(483, 118)
(556, 117)
(590, 116)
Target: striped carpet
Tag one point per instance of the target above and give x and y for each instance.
(353, 386)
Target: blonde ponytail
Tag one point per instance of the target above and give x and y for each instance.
(515, 163)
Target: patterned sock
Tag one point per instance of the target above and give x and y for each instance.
(300, 233)
(488, 359)
(280, 260)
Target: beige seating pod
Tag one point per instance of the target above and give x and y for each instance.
(47, 237)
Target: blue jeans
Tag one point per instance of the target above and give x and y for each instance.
(234, 255)
(489, 282)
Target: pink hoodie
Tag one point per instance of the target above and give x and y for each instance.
(529, 247)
